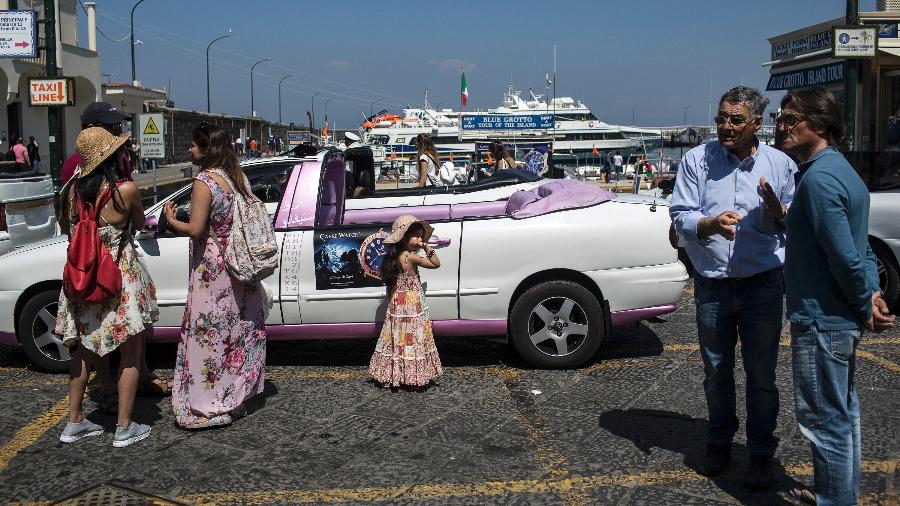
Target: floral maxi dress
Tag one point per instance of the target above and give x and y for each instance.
(405, 353)
(101, 327)
(222, 350)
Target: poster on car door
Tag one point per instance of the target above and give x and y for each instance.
(348, 258)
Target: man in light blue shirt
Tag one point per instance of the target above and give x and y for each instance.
(729, 203)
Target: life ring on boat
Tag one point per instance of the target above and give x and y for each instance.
(591, 124)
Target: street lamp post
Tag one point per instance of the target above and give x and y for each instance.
(279, 95)
(133, 75)
(681, 149)
(312, 109)
(252, 108)
(632, 114)
(229, 34)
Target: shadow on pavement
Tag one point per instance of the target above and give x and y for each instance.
(676, 432)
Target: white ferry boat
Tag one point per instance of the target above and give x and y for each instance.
(577, 130)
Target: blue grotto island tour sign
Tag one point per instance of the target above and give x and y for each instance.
(507, 122)
(813, 76)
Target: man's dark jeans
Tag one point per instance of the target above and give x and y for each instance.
(751, 308)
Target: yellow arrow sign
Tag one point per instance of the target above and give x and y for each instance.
(151, 129)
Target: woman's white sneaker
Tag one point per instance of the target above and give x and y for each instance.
(75, 431)
(126, 436)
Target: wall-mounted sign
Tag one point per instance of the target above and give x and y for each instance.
(18, 34)
(51, 91)
(802, 45)
(507, 122)
(888, 31)
(813, 76)
(854, 41)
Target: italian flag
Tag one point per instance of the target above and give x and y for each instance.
(464, 90)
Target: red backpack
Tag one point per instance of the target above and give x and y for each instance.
(91, 274)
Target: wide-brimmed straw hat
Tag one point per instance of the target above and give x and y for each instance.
(402, 224)
(94, 145)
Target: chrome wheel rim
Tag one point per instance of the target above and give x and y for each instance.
(48, 343)
(882, 275)
(558, 326)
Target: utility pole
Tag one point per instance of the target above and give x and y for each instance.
(850, 81)
(54, 122)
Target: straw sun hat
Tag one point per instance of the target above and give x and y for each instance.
(95, 145)
(402, 224)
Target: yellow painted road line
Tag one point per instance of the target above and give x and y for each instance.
(871, 357)
(27, 435)
(438, 491)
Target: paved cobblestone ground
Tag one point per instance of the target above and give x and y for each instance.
(627, 429)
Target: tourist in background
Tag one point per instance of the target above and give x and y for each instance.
(222, 351)
(427, 160)
(617, 166)
(21, 152)
(34, 154)
(97, 329)
(832, 291)
(405, 354)
(736, 244)
(502, 158)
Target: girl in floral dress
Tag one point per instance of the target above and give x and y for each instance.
(222, 351)
(405, 353)
(96, 329)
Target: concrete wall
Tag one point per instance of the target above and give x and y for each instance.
(180, 123)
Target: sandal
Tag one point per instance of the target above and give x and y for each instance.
(207, 423)
(803, 495)
(155, 386)
(109, 402)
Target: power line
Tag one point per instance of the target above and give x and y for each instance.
(123, 39)
(121, 20)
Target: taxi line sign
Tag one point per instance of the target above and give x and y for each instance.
(49, 91)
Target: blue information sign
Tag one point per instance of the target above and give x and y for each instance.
(507, 122)
(813, 76)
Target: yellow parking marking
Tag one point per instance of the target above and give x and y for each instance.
(438, 491)
(27, 435)
(887, 364)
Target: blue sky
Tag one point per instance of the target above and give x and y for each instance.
(659, 55)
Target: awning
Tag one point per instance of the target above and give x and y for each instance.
(895, 51)
(812, 76)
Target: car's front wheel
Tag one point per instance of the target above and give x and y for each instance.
(557, 325)
(36, 323)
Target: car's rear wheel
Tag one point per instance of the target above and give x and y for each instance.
(557, 325)
(888, 277)
(36, 323)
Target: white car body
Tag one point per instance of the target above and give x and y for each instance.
(616, 251)
(884, 237)
(26, 208)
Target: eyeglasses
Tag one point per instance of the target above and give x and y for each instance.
(737, 121)
(789, 120)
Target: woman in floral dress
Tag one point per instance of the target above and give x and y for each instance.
(222, 351)
(405, 354)
(119, 322)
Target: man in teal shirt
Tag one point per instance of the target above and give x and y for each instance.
(832, 291)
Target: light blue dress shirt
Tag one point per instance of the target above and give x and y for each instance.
(712, 180)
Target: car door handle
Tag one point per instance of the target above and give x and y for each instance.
(438, 242)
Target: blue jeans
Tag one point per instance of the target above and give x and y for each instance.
(750, 308)
(827, 408)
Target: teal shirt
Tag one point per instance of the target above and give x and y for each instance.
(829, 269)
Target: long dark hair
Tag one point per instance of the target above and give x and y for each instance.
(821, 111)
(390, 266)
(215, 144)
(87, 188)
(498, 152)
(425, 146)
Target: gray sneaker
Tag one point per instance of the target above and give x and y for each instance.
(130, 435)
(75, 431)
